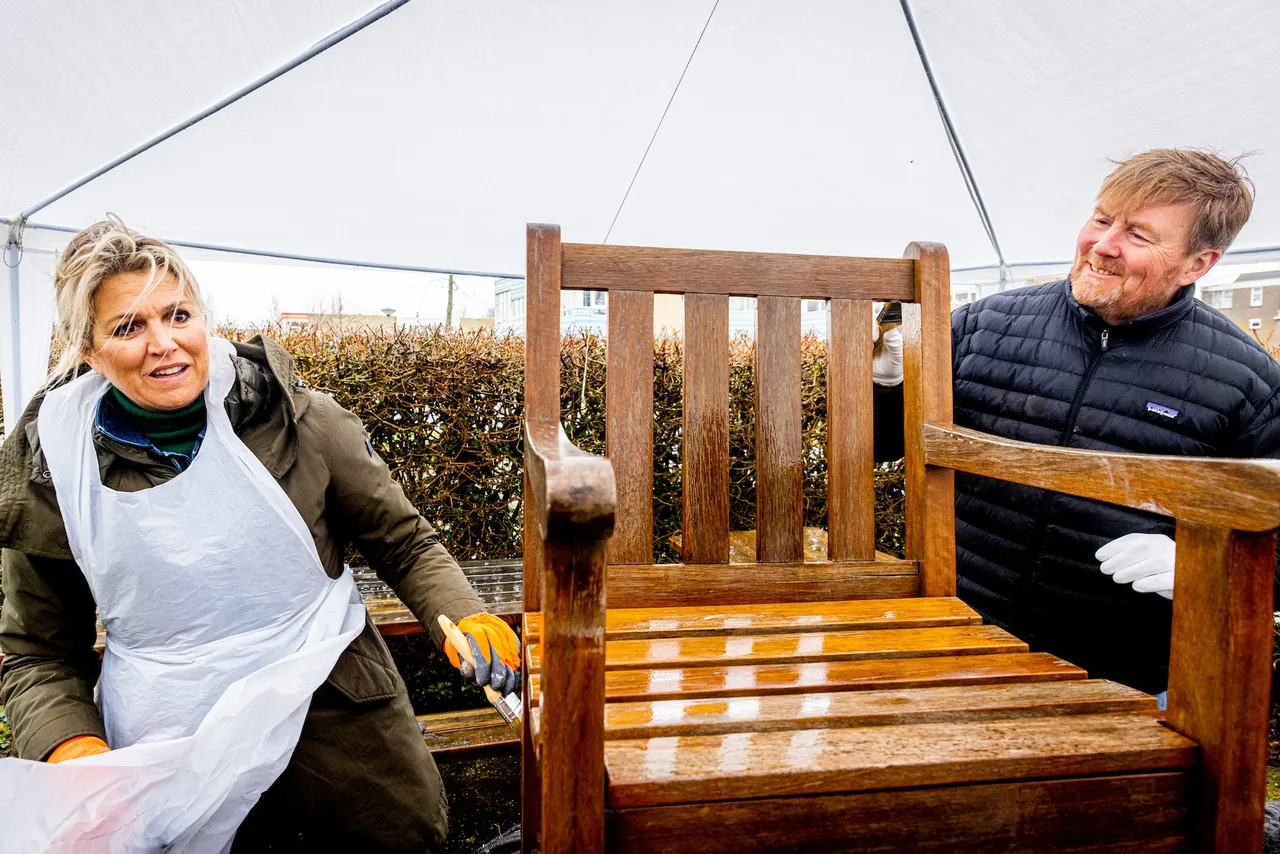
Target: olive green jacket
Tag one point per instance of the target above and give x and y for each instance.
(319, 454)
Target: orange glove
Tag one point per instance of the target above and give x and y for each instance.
(78, 748)
(495, 648)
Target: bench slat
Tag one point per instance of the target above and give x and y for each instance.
(809, 762)
(675, 585)
(665, 718)
(765, 679)
(685, 271)
(470, 731)
(850, 437)
(1128, 814)
(779, 474)
(629, 423)
(705, 438)
(802, 647)
(630, 623)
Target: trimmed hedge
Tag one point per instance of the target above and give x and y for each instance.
(443, 409)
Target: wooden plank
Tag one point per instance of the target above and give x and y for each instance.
(926, 354)
(829, 710)
(766, 679)
(850, 435)
(471, 732)
(742, 546)
(663, 585)
(705, 440)
(541, 374)
(808, 646)
(629, 423)
(809, 762)
(572, 731)
(685, 271)
(630, 623)
(779, 473)
(1220, 675)
(1127, 814)
(1242, 495)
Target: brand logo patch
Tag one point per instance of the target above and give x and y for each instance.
(1161, 410)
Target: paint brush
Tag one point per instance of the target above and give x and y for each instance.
(510, 707)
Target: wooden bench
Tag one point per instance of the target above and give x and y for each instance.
(819, 705)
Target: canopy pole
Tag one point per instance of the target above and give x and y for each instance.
(293, 256)
(13, 258)
(316, 49)
(970, 182)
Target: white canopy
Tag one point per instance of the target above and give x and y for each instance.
(429, 137)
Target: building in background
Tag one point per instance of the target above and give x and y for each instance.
(1251, 301)
(589, 311)
(295, 320)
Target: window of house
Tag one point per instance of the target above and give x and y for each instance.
(1221, 299)
(740, 303)
(813, 304)
(964, 295)
(600, 297)
(1255, 323)
(1255, 296)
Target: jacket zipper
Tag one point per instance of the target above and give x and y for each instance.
(1037, 532)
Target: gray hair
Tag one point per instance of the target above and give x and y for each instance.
(97, 253)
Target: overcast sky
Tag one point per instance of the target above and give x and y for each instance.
(244, 292)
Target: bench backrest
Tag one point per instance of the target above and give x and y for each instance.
(707, 280)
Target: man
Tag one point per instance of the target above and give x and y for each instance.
(1120, 356)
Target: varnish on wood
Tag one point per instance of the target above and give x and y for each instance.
(851, 703)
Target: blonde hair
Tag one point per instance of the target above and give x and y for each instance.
(1218, 189)
(97, 253)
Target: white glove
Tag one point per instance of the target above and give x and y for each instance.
(886, 365)
(1144, 560)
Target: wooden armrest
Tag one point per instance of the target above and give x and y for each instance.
(574, 494)
(1240, 495)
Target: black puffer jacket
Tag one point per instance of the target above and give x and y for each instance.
(1032, 364)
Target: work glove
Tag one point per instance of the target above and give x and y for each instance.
(78, 748)
(495, 648)
(1143, 560)
(886, 362)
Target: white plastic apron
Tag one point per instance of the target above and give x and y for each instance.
(221, 622)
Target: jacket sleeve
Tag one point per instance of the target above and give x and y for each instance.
(47, 632)
(401, 546)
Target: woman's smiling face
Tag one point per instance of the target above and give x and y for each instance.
(152, 346)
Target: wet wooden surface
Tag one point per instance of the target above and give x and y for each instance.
(857, 759)
(665, 718)
(766, 679)
(1127, 814)
(825, 646)
(625, 623)
(732, 707)
(469, 732)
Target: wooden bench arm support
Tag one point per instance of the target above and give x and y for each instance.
(1226, 512)
(573, 492)
(574, 498)
(1241, 495)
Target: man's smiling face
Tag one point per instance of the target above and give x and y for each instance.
(1130, 264)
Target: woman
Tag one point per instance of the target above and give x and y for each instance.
(199, 498)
